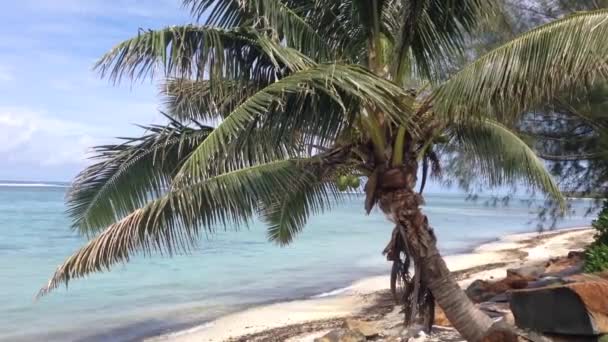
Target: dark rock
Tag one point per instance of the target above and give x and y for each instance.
(567, 271)
(481, 291)
(567, 338)
(342, 335)
(501, 298)
(537, 337)
(572, 309)
(547, 281)
(526, 272)
(478, 292)
(495, 310)
(565, 266)
(576, 254)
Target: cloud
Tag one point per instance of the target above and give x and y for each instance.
(54, 107)
(28, 136)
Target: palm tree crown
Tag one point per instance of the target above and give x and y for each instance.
(269, 101)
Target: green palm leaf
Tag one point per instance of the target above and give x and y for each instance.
(529, 70)
(287, 24)
(336, 81)
(434, 32)
(173, 222)
(499, 156)
(319, 119)
(130, 174)
(340, 23)
(287, 215)
(205, 100)
(202, 52)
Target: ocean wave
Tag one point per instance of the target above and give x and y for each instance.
(332, 292)
(33, 185)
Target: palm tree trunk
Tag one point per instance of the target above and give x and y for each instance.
(402, 205)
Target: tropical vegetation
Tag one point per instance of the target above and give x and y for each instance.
(270, 102)
(570, 132)
(596, 255)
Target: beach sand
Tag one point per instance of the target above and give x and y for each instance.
(487, 261)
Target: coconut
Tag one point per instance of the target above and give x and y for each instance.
(342, 183)
(354, 182)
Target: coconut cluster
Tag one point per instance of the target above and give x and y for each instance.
(348, 181)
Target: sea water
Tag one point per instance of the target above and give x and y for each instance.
(229, 271)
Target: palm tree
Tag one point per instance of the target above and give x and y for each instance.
(270, 101)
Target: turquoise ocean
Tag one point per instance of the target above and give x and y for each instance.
(230, 271)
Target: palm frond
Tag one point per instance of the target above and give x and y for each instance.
(434, 32)
(173, 223)
(141, 169)
(287, 215)
(391, 19)
(285, 22)
(319, 119)
(529, 69)
(227, 14)
(130, 174)
(205, 100)
(338, 82)
(500, 157)
(340, 23)
(200, 52)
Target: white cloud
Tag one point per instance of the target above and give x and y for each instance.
(28, 136)
(53, 107)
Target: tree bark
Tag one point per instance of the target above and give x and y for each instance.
(402, 205)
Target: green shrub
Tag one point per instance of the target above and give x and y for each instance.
(596, 258)
(601, 225)
(596, 255)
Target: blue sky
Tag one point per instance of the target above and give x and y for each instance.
(53, 106)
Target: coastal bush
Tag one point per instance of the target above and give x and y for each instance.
(596, 256)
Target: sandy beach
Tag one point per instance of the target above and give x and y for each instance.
(486, 261)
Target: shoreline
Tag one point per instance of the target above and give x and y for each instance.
(486, 260)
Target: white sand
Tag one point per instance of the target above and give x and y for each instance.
(352, 300)
(270, 316)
